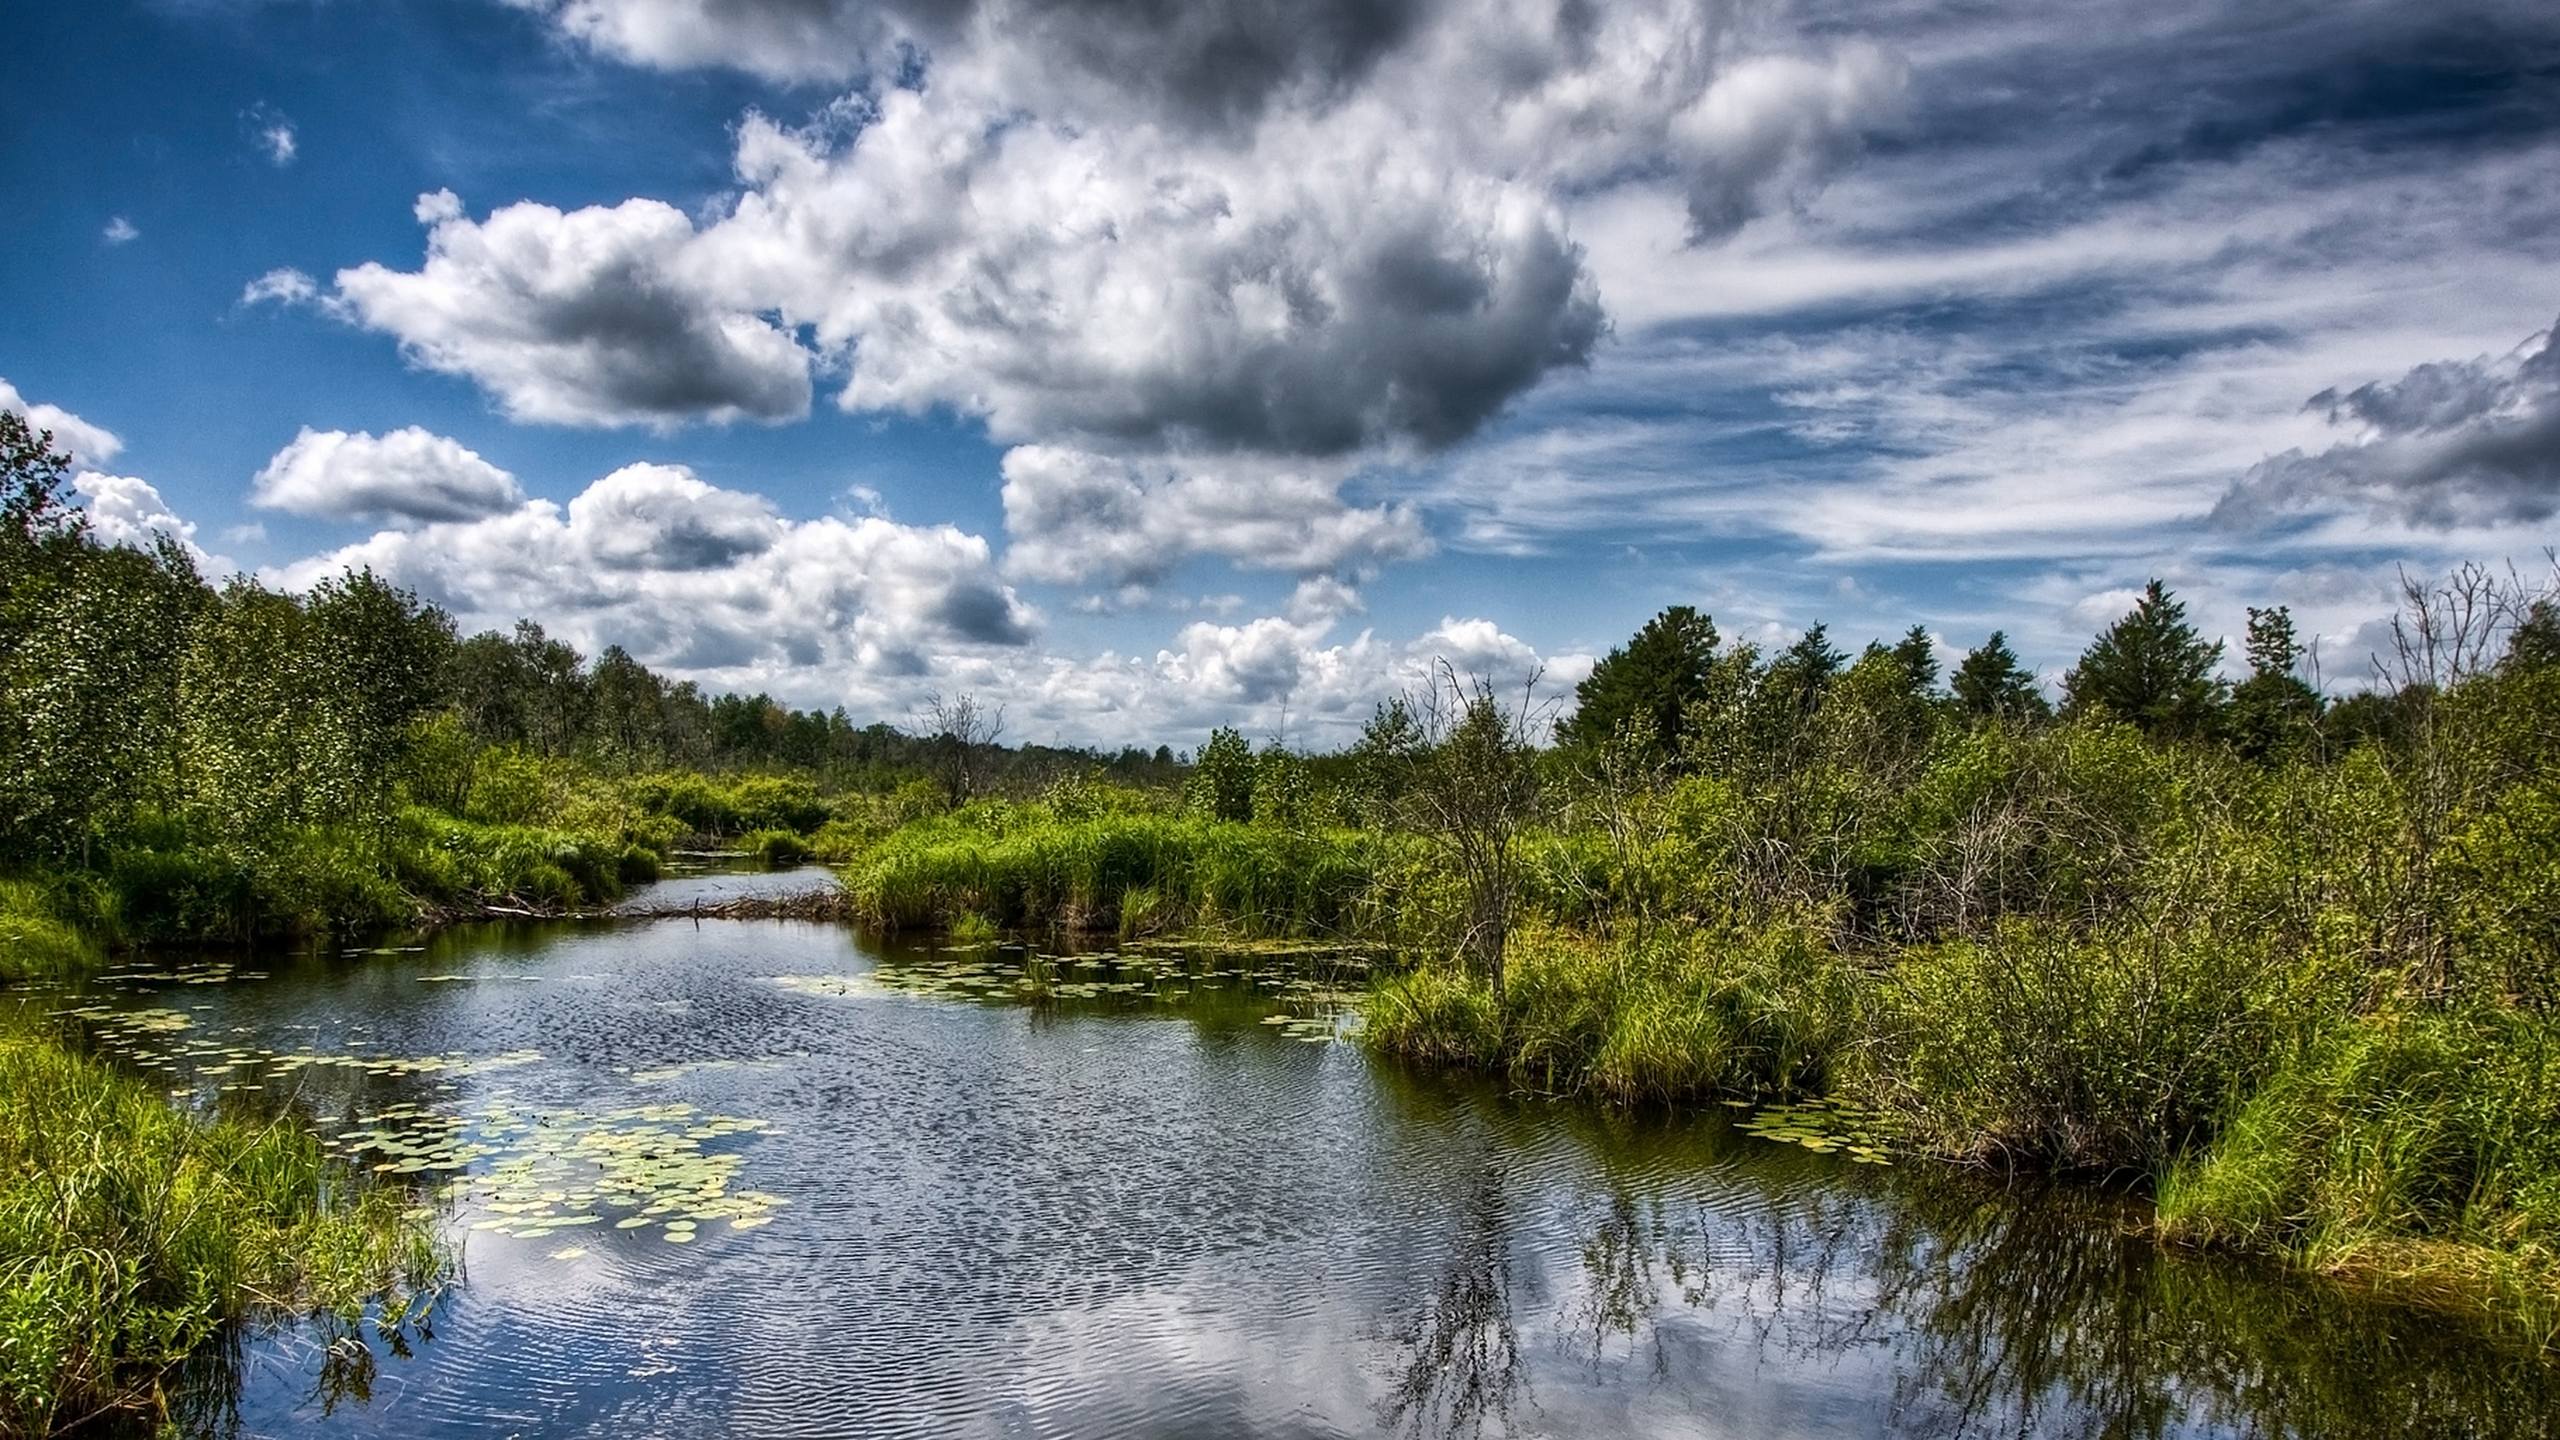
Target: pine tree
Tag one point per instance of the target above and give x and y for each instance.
(1649, 681)
(2272, 712)
(2152, 670)
(1990, 684)
(1919, 656)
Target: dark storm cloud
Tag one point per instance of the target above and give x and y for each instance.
(2452, 442)
(1418, 342)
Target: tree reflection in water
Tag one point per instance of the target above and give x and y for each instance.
(1988, 1313)
(1461, 1368)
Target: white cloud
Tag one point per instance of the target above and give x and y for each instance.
(408, 473)
(589, 317)
(708, 583)
(1206, 228)
(86, 443)
(283, 285)
(124, 510)
(1078, 516)
(120, 231)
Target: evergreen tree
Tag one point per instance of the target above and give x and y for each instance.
(2152, 670)
(1919, 656)
(2273, 712)
(1990, 684)
(1653, 678)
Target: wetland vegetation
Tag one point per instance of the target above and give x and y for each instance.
(2274, 971)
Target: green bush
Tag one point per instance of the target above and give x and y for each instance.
(2112, 1051)
(777, 847)
(1701, 1015)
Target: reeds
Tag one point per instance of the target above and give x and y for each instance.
(134, 1235)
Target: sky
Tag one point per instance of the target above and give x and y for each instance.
(1144, 365)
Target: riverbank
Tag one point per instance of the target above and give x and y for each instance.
(136, 1237)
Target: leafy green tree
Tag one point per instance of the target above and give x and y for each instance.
(2151, 669)
(380, 655)
(1655, 677)
(2273, 712)
(1990, 684)
(1281, 790)
(2535, 645)
(629, 708)
(1221, 784)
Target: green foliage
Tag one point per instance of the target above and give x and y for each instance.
(1649, 683)
(2417, 1150)
(1221, 784)
(133, 1235)
(1025, 870)
(1990, 684)
(2151, 669)
(777, 847)
(2109, 1052)
(1701, 1015)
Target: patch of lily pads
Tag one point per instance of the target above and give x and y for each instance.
(1825, 1127)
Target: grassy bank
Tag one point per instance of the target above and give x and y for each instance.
(134, 1236)
(1135, 872)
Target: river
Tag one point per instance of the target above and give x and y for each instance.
(767, 1178)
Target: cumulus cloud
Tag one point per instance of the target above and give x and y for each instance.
(124, 510)
(82, 441)
(1140, 226)
(2452, 442)
(1207, 62)
(1079, 516)
(120, 231)
(409, 474)
(579, 318)
(705, 581)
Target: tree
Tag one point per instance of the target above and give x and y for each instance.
(2152, 670)
(1655, 677)
(2273, 713)
(1221, 784)
(1990, 684)
(957, 730)
(1918, 653)
(1475, 784)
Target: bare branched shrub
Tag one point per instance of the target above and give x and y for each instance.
(1473, 785)
(959, 729)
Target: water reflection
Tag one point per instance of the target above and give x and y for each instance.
(1136, 1205)
(1461, 1368)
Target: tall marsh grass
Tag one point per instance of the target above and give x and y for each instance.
(134, 1236)
(1149, 871)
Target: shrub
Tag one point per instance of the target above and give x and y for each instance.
(776, 847)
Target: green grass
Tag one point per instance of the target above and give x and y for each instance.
(1023, 869)
(134, 1236)
(1674, 1019)
(777, 847)
(38, 940)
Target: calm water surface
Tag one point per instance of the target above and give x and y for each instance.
(912, 1202)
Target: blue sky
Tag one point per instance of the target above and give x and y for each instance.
(1151, 365)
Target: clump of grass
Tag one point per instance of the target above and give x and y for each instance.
(975, 929)
(638, 865)
(2416, 1151)
(2111, 1051)
(1662, 1019)
(1024, 868)
(133, 1235)
(777, 847)
(37, 941)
